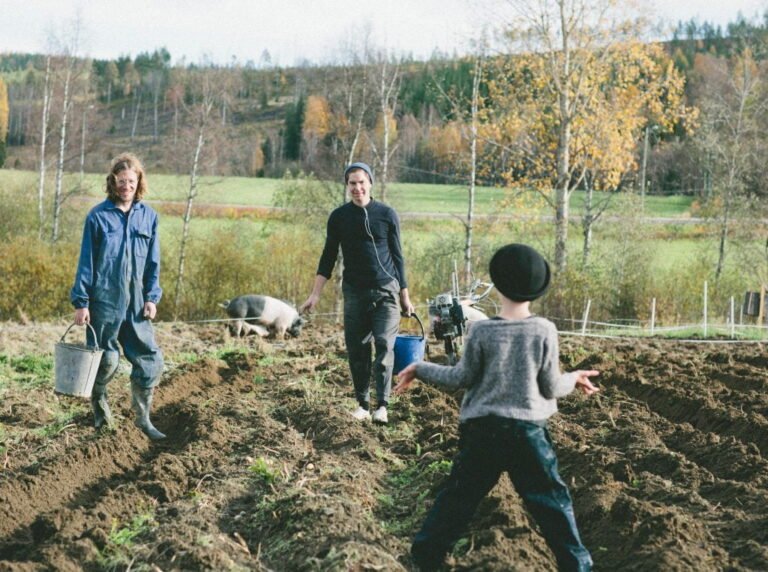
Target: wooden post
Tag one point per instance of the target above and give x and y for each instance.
(733, 318)
(586, 318)
(653, 315)
(705, 308)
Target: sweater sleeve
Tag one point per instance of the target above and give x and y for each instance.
(331, 248)
(467, 372)
(396, 250)
(552, 383)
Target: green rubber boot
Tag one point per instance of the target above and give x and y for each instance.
(101, 412)
(142, 403)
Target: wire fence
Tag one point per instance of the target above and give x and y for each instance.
(734, 329)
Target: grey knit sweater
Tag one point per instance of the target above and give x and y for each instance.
(510, 368)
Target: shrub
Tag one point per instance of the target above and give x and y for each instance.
(37, 277)
(228, 263)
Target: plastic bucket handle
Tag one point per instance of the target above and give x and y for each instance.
(95, 343)
(416, 317)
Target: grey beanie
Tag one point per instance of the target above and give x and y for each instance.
(362, 167)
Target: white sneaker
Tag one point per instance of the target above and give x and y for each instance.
(361, 414)
(380, 415)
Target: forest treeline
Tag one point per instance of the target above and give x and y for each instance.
(271, 119)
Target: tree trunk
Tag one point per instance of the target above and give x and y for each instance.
(563, 74)
(57, 199)
(187, 218)
(82, 148)
(154, 114)
(562, 191)
(586, 225)
(43, 140)
(469, 226)
(137, 97)
(385, 144)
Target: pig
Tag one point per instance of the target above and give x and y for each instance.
(262, 315)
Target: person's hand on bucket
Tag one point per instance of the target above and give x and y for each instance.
(150, 310)
(82, 316)
(405, 379)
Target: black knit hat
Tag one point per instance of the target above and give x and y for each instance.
(360, 166)
(519, 272)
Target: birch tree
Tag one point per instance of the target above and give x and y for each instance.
(350, 98)
(574, 99)
(202, 126)
(46, 114)
(734, 103)
(387, 77)
(567, 41)
(72, 71)
(462, 154)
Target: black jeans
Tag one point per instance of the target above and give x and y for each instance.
(489, 446)
(371, 315)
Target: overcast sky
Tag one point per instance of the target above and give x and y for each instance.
(291, 30)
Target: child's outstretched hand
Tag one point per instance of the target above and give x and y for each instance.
(405, 378)
(583, 383)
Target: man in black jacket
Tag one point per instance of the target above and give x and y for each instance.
(374, 279)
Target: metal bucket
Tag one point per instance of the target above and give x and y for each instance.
(409, 348)
(75, 366)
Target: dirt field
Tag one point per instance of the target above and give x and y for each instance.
(264, 470)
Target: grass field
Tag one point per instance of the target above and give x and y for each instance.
(405, 197)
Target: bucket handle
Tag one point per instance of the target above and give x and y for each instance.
(95, 343)
(414, 315)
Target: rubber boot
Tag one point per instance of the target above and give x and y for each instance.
(142, 403)
(101, 412)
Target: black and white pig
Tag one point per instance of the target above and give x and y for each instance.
(262, 315)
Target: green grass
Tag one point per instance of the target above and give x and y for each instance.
(122, 539)
(405, 197)
(262, 469)
(27, 370)
(402, 506)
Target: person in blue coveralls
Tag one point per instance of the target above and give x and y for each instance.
(117, 289)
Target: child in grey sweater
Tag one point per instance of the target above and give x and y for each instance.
(511, 373)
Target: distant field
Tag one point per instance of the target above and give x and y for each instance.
(405, 197)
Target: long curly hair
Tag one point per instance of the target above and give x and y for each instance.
(122, 163)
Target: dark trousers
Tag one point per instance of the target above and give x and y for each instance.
(371, 315)
(489, 446)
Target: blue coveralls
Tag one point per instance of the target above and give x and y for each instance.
(118, 271)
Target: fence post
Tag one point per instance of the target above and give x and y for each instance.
(585, 318)
(653, 315)
(705, 308)
(733, 319)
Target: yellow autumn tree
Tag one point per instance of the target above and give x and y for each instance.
(317, 124)
(446, 146)
(317, 117)
(572, 102)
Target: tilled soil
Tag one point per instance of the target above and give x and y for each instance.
(263, 467)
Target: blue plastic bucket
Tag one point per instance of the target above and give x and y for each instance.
(409, 348)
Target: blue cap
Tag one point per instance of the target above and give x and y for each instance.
(362, 167)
